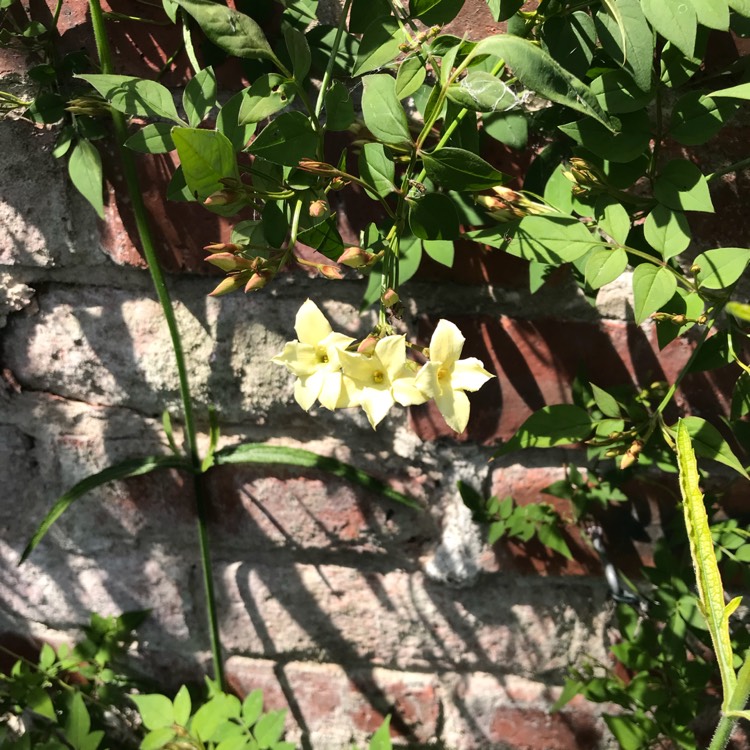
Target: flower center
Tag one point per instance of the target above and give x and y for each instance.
(378, 376)
(322, 355)
(443, 373)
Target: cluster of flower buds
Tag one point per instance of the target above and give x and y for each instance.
(419, 39)
(375, 374)
(584, 176)
(510, 205)
(252, 273)
(89, 106)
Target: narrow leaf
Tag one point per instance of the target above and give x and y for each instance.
(132, 468)
(257, 453)
(708, 578)
(709, 443)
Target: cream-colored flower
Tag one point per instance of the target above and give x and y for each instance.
(381, 378)
(314, 359)
(445, 377)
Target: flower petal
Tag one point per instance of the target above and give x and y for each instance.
(300, 359)
(446, 343)
(376, 402)
(331, 391)
(305, 393)
(427, 381)
(454, 406)
(391, 351)
(469, 375)
(406, 392)
(310, 324)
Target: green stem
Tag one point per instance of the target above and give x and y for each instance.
(187, 41)
(737, 702)
(332, 60)
(729, 168)
(149, 250)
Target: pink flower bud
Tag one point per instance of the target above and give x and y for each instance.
(356, 257)
(256, 281)
(389, 298)
(330, 272)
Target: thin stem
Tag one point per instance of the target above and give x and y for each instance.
(729, 168)
(56, 15)
(332, 60)
(149, 250)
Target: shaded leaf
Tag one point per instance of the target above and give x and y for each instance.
(382, 111)
(134, 96)
(379, 45)
(268, 94)
(434, 217)
(459, 169)
(554, 240)
(132, 468)
(286, 140)
(257, 453)
(682, 186)
(155, 138)
(653, 286)
(667, 231)
(377, 169)
(199, 96)
(410, 76)
(339, 107)
(85, 171)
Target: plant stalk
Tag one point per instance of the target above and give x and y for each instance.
(157, 277)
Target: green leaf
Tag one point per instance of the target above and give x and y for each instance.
(156, 710)
(502, 10)
(616, 92)
(613, 218)
(47, 108)
(268, 94)
(434, 217)
(39, 701)
(227, 123)
(636, 55)
(624, 146)
(380, 45)
(78, 722)
(675, 20)
(132, 468)
(234, 32)
(631, 733)
(364, 12)
(252, 707)
(571, 40)
(199, 96)
(560, 424)
(554, 240)
(721, 267)
(653, 286)
(712, 13)
(709, 443)
(538, 71)
(182, 707)
(158, 738)
(677, 69)
(177, 189)
(257, 453)
(299, 52)
(381, 740)
(377, 169)
(410, 76)
(667, 231)
(269, 728)
(550, 536)
(682, 186)
(206, 157)
(742, 91)
(482, 92)
(697, 118)
(606, 402)
(134, 96)
(155, 138)
(440, 251)
(741, 396)
(382, 111)
(435, 12)
(708, 578)
(410, 256)
(510, 128)
(459, 169)
(85, 171)
(339, 107)
(286, 140)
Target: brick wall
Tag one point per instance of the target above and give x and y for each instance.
(336, 602)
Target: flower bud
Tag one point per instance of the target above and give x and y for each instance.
(223, 247)
(229, 262)
(222, 198)
(631, 454)
(356, 257)
(368, 345)
(229, 284)
(330, 272)
(317, 209)
(317, 167)
(389, 298)
(255, 282)
(695, 269)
